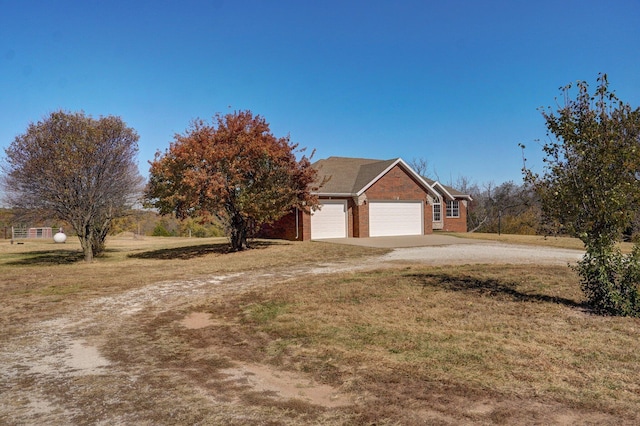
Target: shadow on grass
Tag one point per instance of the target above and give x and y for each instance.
(491, 288)
(190, 252)
(49, 257)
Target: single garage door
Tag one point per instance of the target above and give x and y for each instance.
(330, 221)
(395, 218)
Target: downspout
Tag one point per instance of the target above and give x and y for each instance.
(297, 227)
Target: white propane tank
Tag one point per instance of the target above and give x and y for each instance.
(60, 237)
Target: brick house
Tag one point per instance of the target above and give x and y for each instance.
(371, 198)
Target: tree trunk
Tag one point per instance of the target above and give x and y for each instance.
(99, 237)
(480, 224)
(100, 230)
(238, 233)
(87, 249)
(83, 230)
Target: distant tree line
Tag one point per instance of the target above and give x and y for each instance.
(135, 222)
(509, 207)
(506, 208)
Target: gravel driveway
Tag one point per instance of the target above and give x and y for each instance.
(483, 252)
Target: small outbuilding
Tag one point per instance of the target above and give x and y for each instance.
(372, 198)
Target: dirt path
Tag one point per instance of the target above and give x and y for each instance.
(69, 370)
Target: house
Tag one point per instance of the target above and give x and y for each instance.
(371, 198)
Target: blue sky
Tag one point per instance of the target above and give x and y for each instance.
(457, 83)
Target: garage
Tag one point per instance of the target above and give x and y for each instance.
(387, 218)
(330, 221)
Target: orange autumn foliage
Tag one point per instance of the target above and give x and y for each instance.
(235, 170)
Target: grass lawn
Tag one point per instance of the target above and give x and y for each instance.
(548, 241)
(487, 344)
(482, 343)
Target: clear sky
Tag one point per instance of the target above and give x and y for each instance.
(455, 82)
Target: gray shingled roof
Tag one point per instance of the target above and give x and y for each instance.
(350, 175)
(451, 190)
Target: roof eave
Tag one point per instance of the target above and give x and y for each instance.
(334, 194)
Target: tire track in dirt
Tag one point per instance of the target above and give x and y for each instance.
(37, 365)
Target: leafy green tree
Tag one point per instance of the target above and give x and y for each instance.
(76, 169)
(162, 230)
(236, 171)
(591, 188)
(193, 227)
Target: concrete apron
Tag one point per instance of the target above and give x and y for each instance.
(402, 241)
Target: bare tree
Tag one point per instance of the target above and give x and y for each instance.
(507, 207)
(77, 169)
(421, 166)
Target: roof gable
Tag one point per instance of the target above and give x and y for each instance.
(449, 192)
(369, 173)
(353, 176)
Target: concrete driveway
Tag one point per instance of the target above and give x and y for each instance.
(404, 241)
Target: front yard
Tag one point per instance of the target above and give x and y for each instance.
(177, 331)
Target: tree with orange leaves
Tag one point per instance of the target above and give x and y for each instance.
(235, 170)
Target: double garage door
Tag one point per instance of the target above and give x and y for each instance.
(386, 218)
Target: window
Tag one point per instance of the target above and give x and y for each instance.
(437, 210)
(453, 208)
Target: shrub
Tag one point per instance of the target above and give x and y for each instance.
(610, 280)
(161, 230)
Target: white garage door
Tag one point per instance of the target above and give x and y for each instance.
(330, 221)
(395, 218)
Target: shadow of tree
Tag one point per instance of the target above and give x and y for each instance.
(490, 288)
(190, 252)
(49, 257)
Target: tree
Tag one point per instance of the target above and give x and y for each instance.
(75, 168)
(591, 188)
(235, 170)
(505, 208)
(421, 166)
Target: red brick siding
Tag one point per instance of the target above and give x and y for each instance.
(306, 226)
(396, 185)
(350, 217)
(428, 218)
(285, 228)
(455, 224)
(361, 221)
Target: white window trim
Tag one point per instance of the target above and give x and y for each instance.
(453, 209)
(437, 215)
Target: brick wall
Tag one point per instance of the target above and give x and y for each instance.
(361, 220)
(396, 185)
(455, 224)
(285, 228)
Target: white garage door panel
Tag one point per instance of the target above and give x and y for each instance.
(330, 221)
(395, 218)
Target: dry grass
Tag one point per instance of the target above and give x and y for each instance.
(538, 240)
(41, 277)
(474, 344)
(549, 241)
(512, 339)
